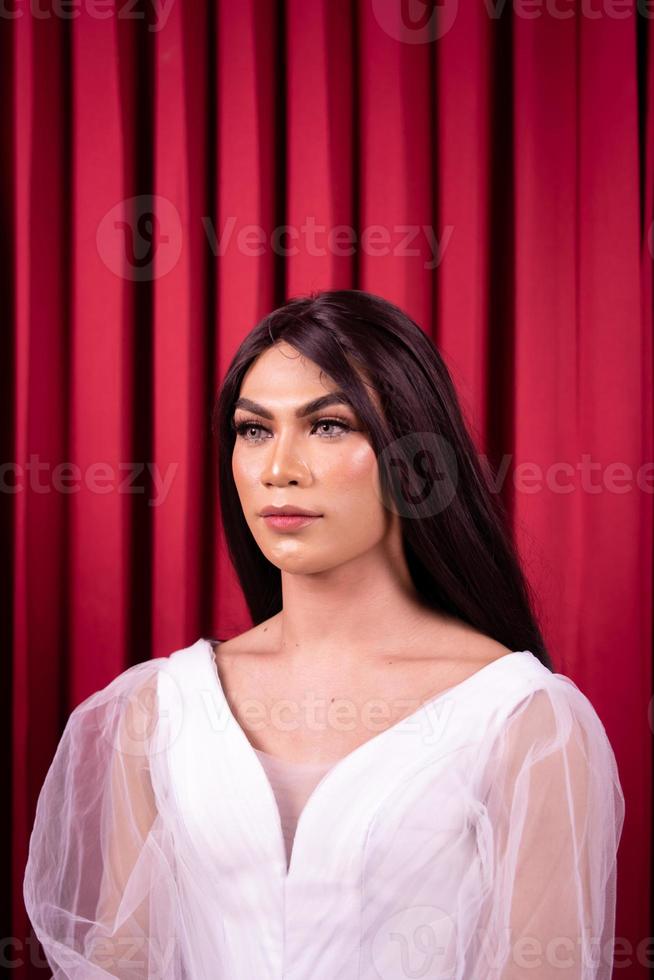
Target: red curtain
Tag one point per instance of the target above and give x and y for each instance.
(173, 171)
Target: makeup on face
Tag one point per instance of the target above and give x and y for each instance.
(289, 522)
(251, 431)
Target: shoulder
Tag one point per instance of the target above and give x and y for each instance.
(115, 723)
(127, 703)
(544, 731)
(134, 678)
(446, 636)
(553, 719)
(552, 770)
(262, 638)
(448, 652)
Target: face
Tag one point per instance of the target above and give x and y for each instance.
(321, 461)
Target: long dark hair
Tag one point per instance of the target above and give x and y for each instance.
(455, 530)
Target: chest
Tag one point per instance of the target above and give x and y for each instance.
(317, 716)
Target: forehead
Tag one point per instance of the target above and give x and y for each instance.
(282, 375)
(281, 368)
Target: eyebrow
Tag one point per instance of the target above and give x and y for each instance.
(333, 398)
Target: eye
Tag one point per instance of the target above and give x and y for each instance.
(342, 425)
(244, 428)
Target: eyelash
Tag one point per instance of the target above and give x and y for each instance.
(242, 427)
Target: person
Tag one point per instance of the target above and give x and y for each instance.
(384, 777)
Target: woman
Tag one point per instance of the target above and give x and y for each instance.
(418, 794)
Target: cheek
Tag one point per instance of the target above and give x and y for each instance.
(246, 469)
(356, 463)
(354, 466)
(350, 480)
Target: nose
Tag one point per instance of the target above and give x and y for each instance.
(283, 464)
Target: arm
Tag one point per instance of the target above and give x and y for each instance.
(555, 811)
(99, 885)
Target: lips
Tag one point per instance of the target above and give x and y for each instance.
(288, 511)
(290, 522)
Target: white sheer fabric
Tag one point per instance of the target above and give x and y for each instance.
(553, 818)
(100, 880)
(475, 840)
(292, 784)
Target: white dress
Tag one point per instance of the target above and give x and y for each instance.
(474, 839)
(292, 784)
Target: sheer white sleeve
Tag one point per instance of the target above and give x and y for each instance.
(554, 816)
(99, 884)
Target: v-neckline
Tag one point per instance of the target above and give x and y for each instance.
(349, 758)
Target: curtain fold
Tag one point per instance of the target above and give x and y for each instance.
(172, 172)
